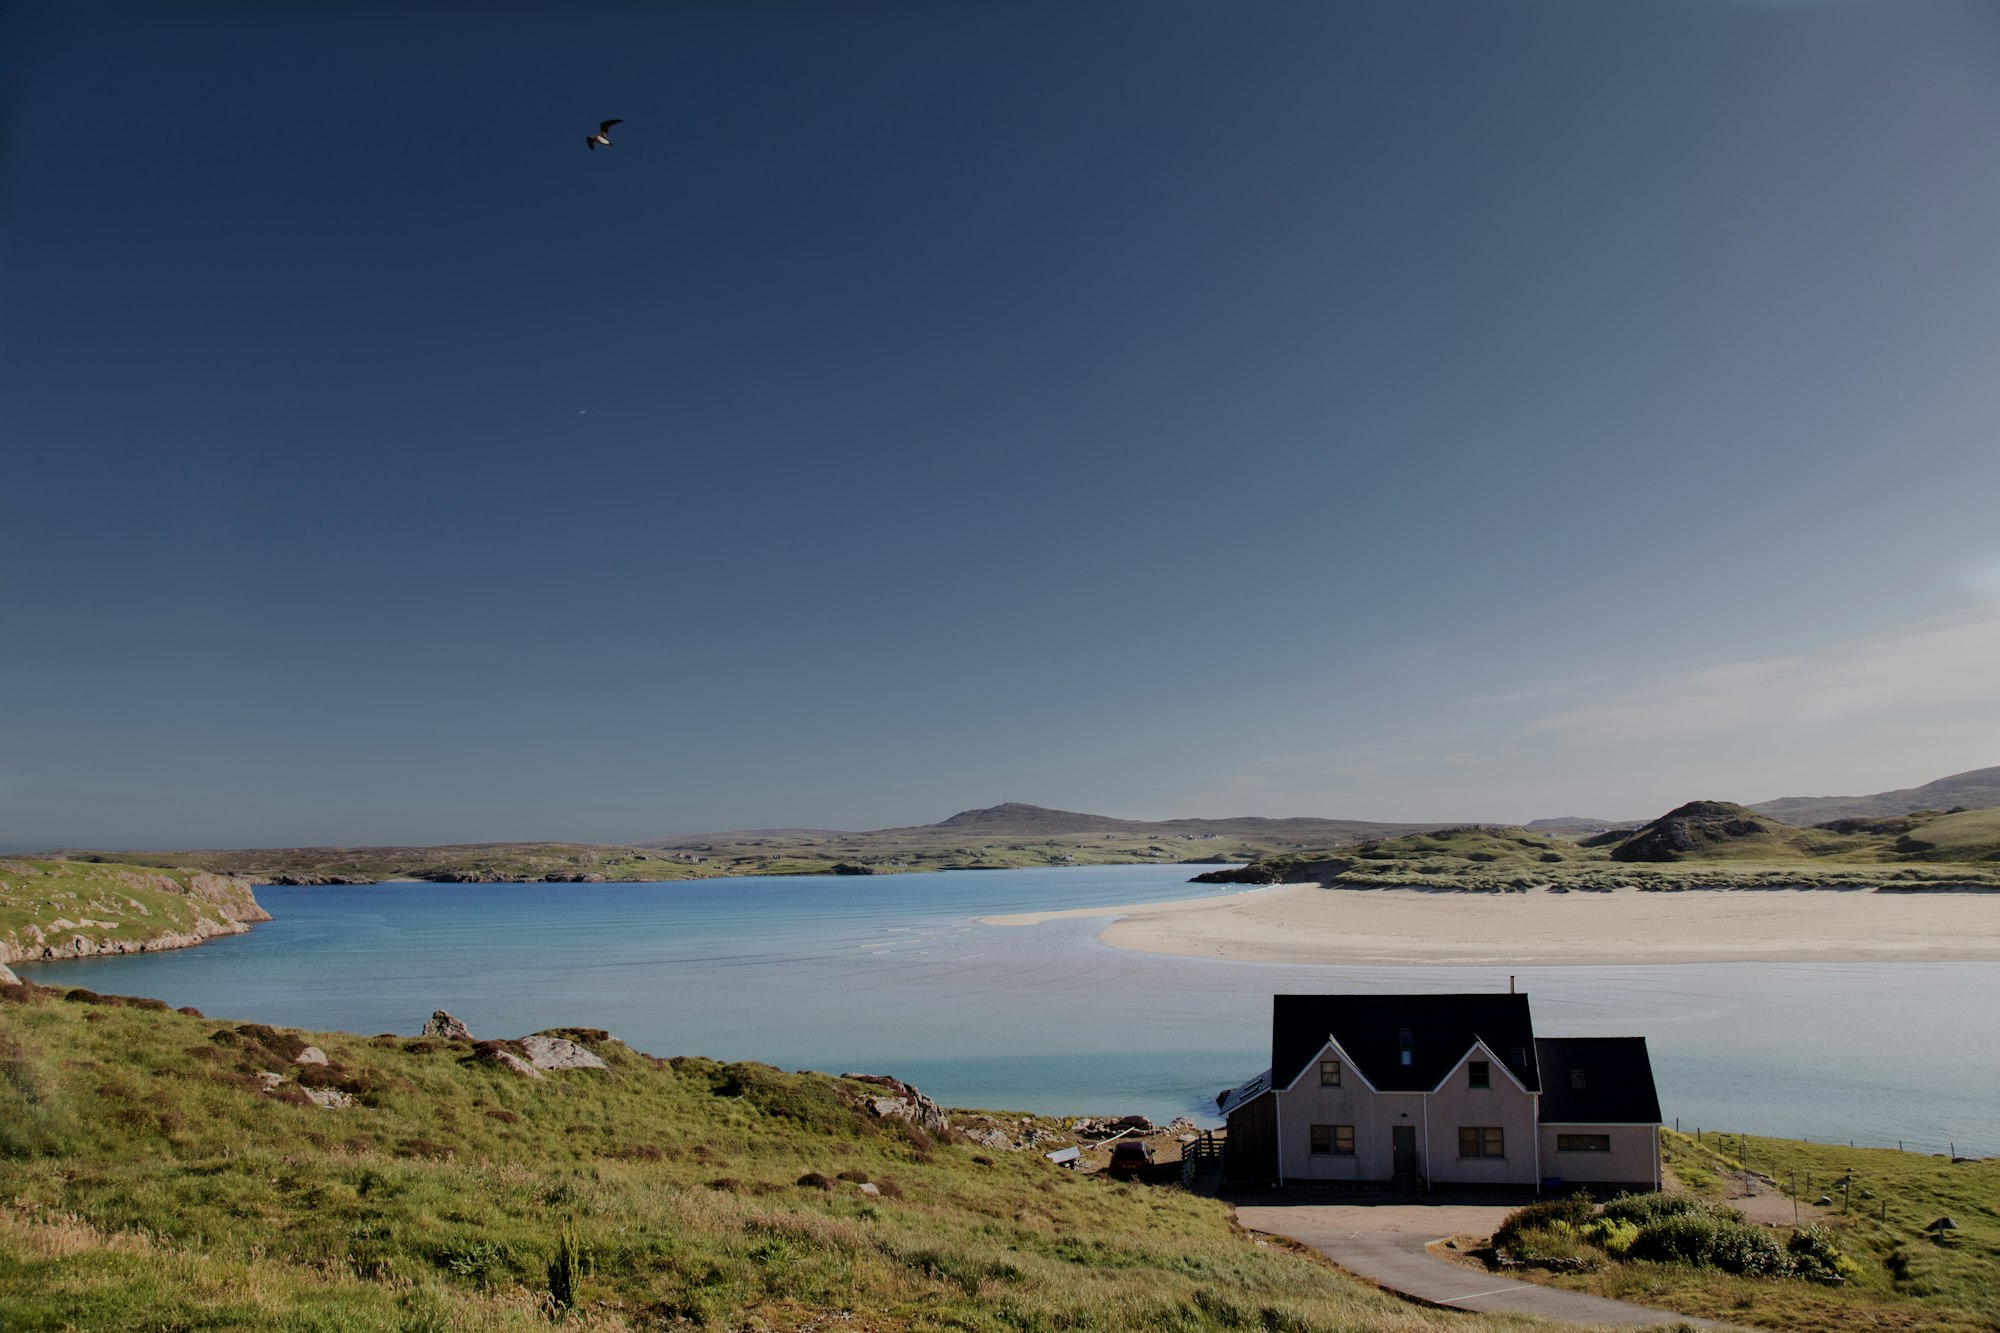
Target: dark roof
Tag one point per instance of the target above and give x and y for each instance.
(1369, 1028)
(1616, 1075)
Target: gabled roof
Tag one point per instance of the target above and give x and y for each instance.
(1247, 1091)
(1370, 1027)
(1597, 1081)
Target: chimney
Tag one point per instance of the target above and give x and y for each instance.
(1510, 985)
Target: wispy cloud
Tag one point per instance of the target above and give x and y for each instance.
(1912, 673)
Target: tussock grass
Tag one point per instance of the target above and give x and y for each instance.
(148, 1181)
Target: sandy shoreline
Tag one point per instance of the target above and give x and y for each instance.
(1304, 923)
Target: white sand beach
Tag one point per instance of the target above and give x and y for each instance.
(1305, 923)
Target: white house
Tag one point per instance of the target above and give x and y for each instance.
(1421, 1091)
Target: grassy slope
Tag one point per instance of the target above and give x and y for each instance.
(513, 860)
(112, 903)
(1905, 1281)
(148, 1183)
(1914, 850)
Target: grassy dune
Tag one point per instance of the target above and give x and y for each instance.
(149, 1182)
(1911, 851)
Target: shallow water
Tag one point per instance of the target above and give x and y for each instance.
(892, 974)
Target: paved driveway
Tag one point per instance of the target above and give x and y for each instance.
(1385, 1243)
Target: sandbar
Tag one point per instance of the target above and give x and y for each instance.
(1308, 923)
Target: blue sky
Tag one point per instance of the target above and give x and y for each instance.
(1399, 410)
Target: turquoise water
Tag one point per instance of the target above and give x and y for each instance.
(892, 974)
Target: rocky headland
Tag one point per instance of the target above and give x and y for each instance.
(62, 909)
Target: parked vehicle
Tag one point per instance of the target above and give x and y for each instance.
(1131, 1159)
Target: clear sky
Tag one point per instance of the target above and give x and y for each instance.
(1480, 410)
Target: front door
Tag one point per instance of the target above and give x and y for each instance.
(1403, 1138)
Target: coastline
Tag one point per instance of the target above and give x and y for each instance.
(1309, 923)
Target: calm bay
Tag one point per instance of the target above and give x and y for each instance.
(894, 974)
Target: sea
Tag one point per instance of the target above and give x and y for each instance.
(895, 974)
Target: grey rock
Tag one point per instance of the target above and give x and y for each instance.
(869, 1188)
(444, 1025)
(904, 1102)
(270, 1078)
(7, 977)
(510, 1061)
(311, 1055)
(333, 1099)
(546, 1052)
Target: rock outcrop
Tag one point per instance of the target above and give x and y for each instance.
(7, 977)
(550, 1052)
(1691, 830)
(1283, 871)
(902, 1101)
(444, 1025)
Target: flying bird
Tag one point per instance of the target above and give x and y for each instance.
(603, 135)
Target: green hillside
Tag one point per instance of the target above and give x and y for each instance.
(73, 909)
(148, 1181)
(1704, 844)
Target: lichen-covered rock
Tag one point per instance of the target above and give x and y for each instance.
(547, 1052)
(904, 1102)
(311, 1055)
(333, 1099)
(444, 1025)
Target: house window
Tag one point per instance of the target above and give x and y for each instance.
(1329, 1073)
(1406, 1057)
(1482, 1141)
(1583, 1143)
(1520, 1057)
(1576, 1078)
(1333, 1140)
(1479, 1074)
(1403, 1038)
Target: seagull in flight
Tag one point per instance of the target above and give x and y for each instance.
(603, 135)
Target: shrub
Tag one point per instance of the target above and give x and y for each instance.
(1704, 1241)
(1644, 1208)
(813, 1180)
(1612, 1235)
(1558, 1243)
(1575, 1212)
(1813, 1254)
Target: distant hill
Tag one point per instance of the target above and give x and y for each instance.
(1580, 824)
(1978, 789)
(1709, 829)
(1016, 819)
(743, 835)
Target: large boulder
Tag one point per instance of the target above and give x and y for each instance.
(902, 1101)
(7, 977)
(444, 1025)
(547, 1052)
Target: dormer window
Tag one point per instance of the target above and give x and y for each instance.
(1576, 1078)
(1478, 1074)
(1520, 1057)
(1329, 1073)
(1403, 1038)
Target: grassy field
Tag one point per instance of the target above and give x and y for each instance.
(147, 1181)
(51, 904)
(1901, 1279)
(1912, 851)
